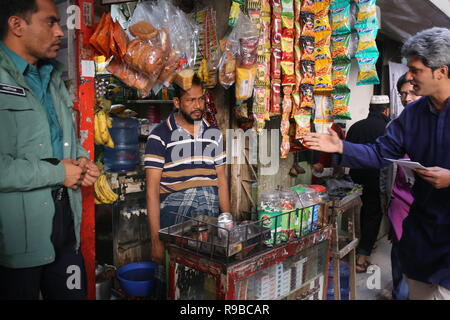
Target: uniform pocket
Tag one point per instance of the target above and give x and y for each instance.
(13, 238)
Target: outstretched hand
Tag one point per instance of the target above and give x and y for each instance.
(438, 177)
(330, 143)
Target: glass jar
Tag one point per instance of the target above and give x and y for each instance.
(288, 201)
(323, 199)
(269, 210)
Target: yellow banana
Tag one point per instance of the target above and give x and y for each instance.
(104, 133)
(98, 192)
(106, 190)
(97, 137)
(110, 142)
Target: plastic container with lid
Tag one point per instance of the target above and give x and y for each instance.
(308, 211)
(288, 201)
(323, 199)
(269, 210)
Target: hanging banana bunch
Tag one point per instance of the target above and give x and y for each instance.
(102, 122)
(103, 192)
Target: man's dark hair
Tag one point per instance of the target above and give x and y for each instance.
(20, 8)
(179, 92)
(400, 82)
(378, 108)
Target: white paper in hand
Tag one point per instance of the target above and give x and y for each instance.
(408, 163)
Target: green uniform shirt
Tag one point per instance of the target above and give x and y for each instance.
(38, 78)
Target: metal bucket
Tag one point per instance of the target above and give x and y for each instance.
(103, 284)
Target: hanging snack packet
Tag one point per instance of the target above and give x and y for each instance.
(245, 79)
(259, 100)
(322, 125)
(322, 107)
(322, 24)
(366, 40)
(264, 39)
(248, 52)
(303, 126)
(276, 30)
(287, 14)
(275, 98)
(322, 80)
(297, 9)
(295, 102)
(287, 60)
(275, 64)
(265, 6)
(341, 74)
(285, 147)
(227, 69)
(307, 72)
(307, 6)
(367, 13)
(341, 100)
(322, 38)
(340, 47)
(307, 48)
(263, 72)
(321, 7)
(340, 17)
(307, 95)
(234, 12)
(367, 69)
(285, 124)
(287, 100)
(259, 122)
(307, 23)
(321, 53)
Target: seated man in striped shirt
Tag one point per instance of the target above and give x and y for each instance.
(185, 166)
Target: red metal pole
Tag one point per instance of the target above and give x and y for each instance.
(85, 105)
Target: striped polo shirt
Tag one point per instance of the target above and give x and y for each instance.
(186, 161)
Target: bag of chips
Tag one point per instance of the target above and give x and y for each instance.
(308, 73)
(341, 100)
(287, 15)
(322, 38)
(285, 147)
(341, 74)
(307, 23)
(321, 53)
(307, 6)
(366, 40)
(275, 98)
(367, 13)
(245, 79)
(323, 107)
(303, 127)
(367, 69)
(322, 24)
(321, 7)
(340, 17)
(307, 95)
(340, 47)
(307, 48)
(322, 81)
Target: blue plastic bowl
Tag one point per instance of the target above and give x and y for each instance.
(137, 278)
